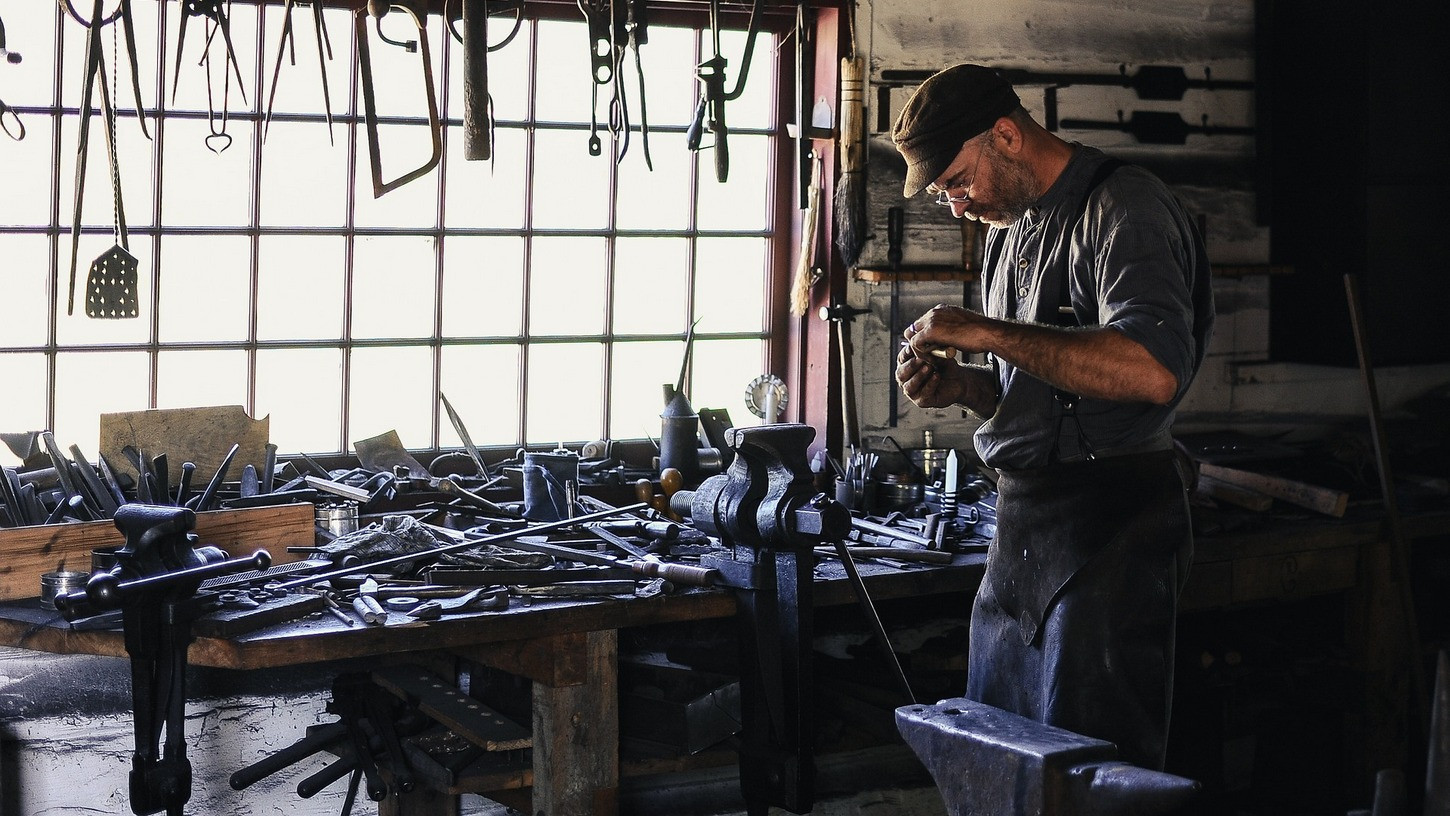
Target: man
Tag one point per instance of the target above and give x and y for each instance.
(1097, 311)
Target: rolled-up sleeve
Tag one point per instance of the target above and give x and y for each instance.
(1144, 291)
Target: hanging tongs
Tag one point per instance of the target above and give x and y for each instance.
(216, 13)
(417, 10)
(710, 112)
(286, 44)
(111, 284)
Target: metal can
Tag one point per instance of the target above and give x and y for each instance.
(61, 582)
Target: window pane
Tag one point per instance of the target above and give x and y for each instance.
(189, 379)
(483, 285)
(658, 200)
(755, 108)
(739, 203)
(638, 374)
(482, 383)
(649, 285)
(29, 82)
(77, 328)
(671, 92)
(562, 74)
(304, 178)
(486, 193)
(402, 150)
(205, 287)
(27, 305)
(730, 275)
(88, 384)
(300, 389)
(392, 287)
(299, 287)
(720, 372)
(392, 390)
(566, 290)
(23, 408)
(99, 201)
(571, 187)
(565, 392)
(205, 177)
(26, 165)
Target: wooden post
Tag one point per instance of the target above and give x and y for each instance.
(576, 737)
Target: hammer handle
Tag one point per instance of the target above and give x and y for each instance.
(682, 574)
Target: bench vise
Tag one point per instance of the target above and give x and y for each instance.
(988, 762)
(769, 517)
(154, 583)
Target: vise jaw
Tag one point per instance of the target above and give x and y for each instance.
(989, 762)
(766, 500)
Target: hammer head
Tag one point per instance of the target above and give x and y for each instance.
(989, 762)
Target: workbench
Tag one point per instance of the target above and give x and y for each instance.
(568, 648)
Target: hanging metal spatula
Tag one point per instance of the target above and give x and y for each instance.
(111, 284)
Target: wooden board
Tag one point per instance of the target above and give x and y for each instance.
(30, 552)
(1233, 494)
(1320, 499)
(199, 435)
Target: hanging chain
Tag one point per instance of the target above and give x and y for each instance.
(115, 148)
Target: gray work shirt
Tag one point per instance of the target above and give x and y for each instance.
(1137, 265)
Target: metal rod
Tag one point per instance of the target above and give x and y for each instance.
(885, 530)
(1398, 546)
(869, 609)
(459, 545)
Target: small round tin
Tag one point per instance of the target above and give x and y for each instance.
(56, 584)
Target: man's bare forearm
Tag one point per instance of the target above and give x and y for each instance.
(1101, 363)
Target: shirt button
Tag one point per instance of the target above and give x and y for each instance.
(1021, 263)
(1022, 292)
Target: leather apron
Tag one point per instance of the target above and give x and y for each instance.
(1073, 623)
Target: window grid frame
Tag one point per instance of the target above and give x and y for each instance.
(350, 119)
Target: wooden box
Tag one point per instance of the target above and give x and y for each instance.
(26, 553)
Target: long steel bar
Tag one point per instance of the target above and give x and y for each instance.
(459, 545)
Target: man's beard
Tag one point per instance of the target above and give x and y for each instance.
(1014, 191)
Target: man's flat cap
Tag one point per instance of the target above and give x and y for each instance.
(950, 107)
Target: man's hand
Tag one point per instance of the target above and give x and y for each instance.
(948, 327)
(929, 382)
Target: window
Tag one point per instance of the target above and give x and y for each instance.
(547, 292)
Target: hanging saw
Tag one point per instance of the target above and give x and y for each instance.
(417, 10)
(710, 112)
